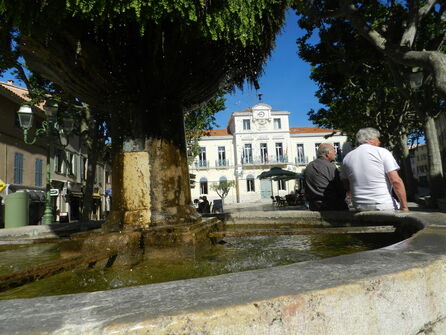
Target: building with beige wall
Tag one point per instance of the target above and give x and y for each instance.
(256, 140)
(23, 166)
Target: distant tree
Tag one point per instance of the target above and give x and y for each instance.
(146, 63)
(199, 121)
(222, 188)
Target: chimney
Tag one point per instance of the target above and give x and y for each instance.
(11, 82)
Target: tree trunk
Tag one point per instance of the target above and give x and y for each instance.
(435, 176)
(150, 173)
(93, 153)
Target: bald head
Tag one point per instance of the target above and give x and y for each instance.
(327, 151)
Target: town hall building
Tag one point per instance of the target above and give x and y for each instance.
(256, 140)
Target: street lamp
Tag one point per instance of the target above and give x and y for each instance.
(50, 128)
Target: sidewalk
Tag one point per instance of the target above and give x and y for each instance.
(266, 205)
(55, 230)
(259, 205)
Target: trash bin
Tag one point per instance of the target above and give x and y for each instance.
(218, 206)
(36, 206)
(16, 210)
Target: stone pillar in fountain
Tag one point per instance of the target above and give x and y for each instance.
(131, 191)
(150, 175)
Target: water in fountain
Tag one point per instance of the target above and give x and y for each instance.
(236, 254)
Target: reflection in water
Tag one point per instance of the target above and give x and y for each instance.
(21, 257)
(238, 254)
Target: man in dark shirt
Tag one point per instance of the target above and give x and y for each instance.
(323, 187)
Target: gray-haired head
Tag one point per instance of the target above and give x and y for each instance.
(366, 134)
(323, 149)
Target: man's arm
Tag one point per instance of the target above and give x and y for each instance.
(346, 184)
(398, 187)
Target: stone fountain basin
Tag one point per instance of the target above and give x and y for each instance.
(399, 289)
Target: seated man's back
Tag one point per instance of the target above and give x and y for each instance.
(366, 169)
(323, 187)
(371, 172)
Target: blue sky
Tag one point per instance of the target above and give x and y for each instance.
(284, 85)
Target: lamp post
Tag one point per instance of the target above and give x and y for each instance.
(51, 129)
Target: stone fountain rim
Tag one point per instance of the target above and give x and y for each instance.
(95, 312)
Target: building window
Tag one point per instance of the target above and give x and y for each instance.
(70, 162)
(300, 154)
(247, 153)
(99, 175)
(246, 124)
(60, 156)
(82, 168)
(277, 124)
(279, 152)
(316, 147)
(263, 152)
(38, 172)
(202, 162)
(18, 168)
(221, 156)
(250, 184)
(281, 185)
(203, 186)
(337, 147)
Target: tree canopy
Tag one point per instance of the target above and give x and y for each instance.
(397, 29)
(356, 85)
(119, 51)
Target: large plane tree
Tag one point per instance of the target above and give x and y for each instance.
(146, 63)
(408, 37)
(394, 28)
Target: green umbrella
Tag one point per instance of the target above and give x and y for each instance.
(279, 173)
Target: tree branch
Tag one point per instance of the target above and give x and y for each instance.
(434, 61)
(416, 14)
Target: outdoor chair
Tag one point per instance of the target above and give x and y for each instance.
(281, 202)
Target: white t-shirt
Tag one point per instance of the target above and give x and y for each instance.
(366, 168)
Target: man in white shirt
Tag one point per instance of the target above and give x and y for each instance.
(371, 173)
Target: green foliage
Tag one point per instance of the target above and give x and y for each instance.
(357, 84)
(222, 188)
(219, 19)
(170, 50)
(407, 33)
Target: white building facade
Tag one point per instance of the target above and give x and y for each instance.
(256, 140)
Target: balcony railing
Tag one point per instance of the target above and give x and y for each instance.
(221, 163)
(200, 164)
(265, 160)
(301, 160)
